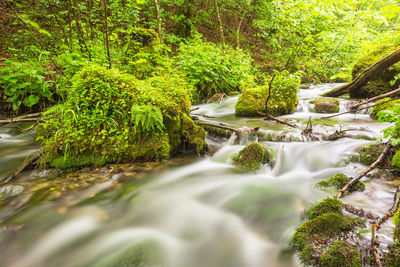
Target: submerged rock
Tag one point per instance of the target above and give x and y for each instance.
(338, 181)
(326, 105)
(381, 84)
(370, 153)
(253, 156)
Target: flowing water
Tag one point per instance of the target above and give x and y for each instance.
(190, 212)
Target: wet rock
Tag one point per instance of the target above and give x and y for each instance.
(253, 156)
(338, 181)
(370, 153)
(11, 190)
(326, 105)
(217, 98)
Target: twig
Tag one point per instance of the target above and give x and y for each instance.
(276, 119)
(6, 121)
(364, 172)
(219, 125)
(24, 166)
(354, 111)
(354, 106)
(359, 212)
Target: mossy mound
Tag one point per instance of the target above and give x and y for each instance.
(381, 84)
(283, 98)
(253, 156)
(396, 160)
(328, 224)
(392, 258)
(370, 153)
(338, 181)
(340, 254)
(328, 205)
(378, 106)
(113, 117)
(326, 105)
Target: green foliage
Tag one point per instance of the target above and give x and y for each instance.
(394, 129)
(283, 99)
(25, 84)
(113, 117)
(338, 181)
(383, 104)
(392, 258)
(211, 69)
(340, 254)
(328, 205)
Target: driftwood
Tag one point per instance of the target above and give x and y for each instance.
(382, 220)
(356, 105)
(220, 126)
(364, 172)
(269, 117)
(359, 212)
(24, 118)
(26, 164)
(367, 75)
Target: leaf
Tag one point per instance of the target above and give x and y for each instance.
(31, 100)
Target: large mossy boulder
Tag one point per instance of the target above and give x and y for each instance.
(381, 84)
(113, 117)
(253, 156)
(383, 104)
(283, 99)
(326, 105)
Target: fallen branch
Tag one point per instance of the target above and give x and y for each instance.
(367, 75)
(267, 116)
(382, 220)
(26, 164)
(24, 118)
(359, 212)
(354, 106)
(364, 172)
(219, 125)
(355, 111)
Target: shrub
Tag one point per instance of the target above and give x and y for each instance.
(113, 117)
(25, 85)
(211, 69)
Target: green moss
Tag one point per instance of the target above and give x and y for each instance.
(365, 137)
(115, 117)
(370, 153)
(338, 181)
(396, 221)
(283, 98)
(380, 84)
(396, 160)
(340, 254)
(307, 255)
(328, 225)
(253, 156)
(392, 258)
(328, 205)
(378, 106)
(216, 98)
(326, 105)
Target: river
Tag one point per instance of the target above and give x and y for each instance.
(190, 212)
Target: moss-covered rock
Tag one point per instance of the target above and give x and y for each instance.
(381, 84)
(328, 205)
(216, 98)
(113, 117)
(392, 258)
(326, 105)
(396, 160)
(338, 181)
(370, 153)
(283, 98)
(378, 106)
(340, 254)
(253, 156)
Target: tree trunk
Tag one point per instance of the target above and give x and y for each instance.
(221, 29)
(81, 36)
(239, 27)
(107, 43)
(367, 75)
(159, 29)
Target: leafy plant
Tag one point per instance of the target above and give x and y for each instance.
(26, 84)
(146, 119)
(392, 116)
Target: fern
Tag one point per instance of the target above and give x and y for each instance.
(146, 118)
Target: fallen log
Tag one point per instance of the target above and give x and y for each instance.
(367, 75)
(26, 164)
(364, 172)
(24, 118)
(220, 126)
(359, 212)
(391, 93)
(269, 117)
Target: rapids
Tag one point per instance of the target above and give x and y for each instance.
(192, 212)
